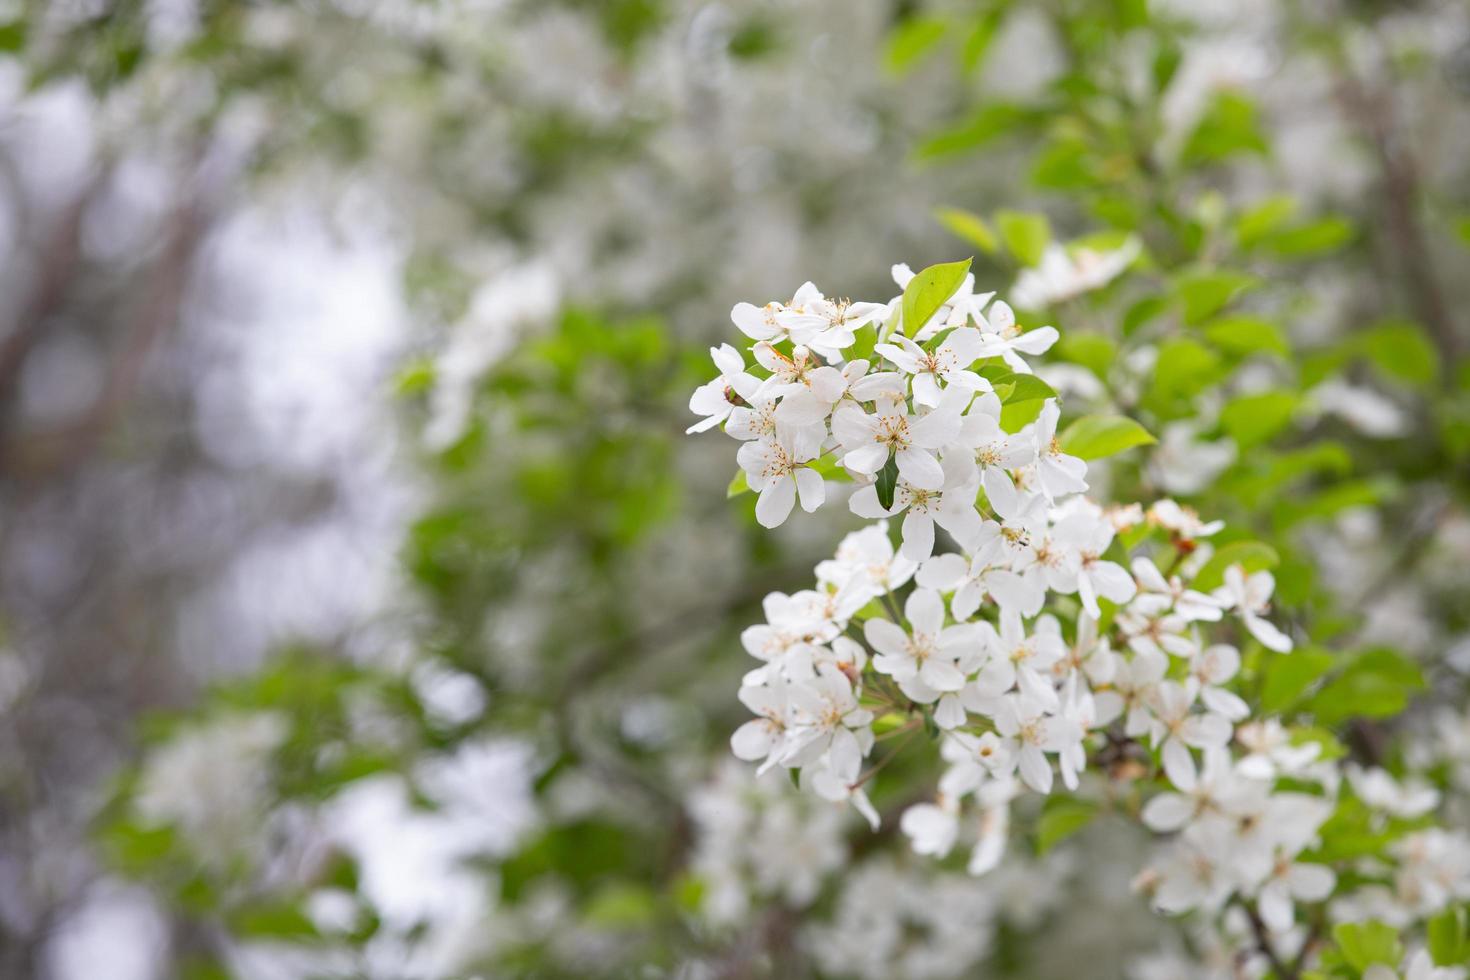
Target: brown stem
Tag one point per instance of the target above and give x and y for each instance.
(1401, 196)
(1263, 942)
(881, 763)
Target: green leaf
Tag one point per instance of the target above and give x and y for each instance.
(1289, 675)
(138, 849)
(988, 123)
(13, 36)
(1026, 234)
(1332, 500)
(1227, 128)
(1066, 163)
(415, 377)
(581, 854)
(1016, 415)
(888, 482)
(969, 226)
(1142, 312)
(977, 44)
(1401, 352)
(1243, 335)
(1166, 62)
(914, 38)
(756, 38)
(929, 290)
(1091, 350)
(1449, 945)
(1330, 745)
(1096, 436)
(866, 338)
(688, 891)
(1312, 238)
(1022, 398)
(1252, 419)
(621, 905)
(1253, 556)
(1366, 943)
(829, 469)
(1206, 293)
(1377, 684)
(1061, 817)
(276, 920)
(1260, 221)
(1352, 831)
(1184, 368)
(1021, 388)
(738, 485)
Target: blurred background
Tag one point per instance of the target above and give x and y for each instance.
(364, 610)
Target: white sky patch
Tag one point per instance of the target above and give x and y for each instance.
(117, 933)
(298, 330)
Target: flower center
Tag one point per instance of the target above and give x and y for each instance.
(893, 431)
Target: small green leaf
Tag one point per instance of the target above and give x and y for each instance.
(1329, 746)
(1311, 238)
(13, 36)
(416, 377)
(1206, 293)
(1091, 350)
(1253, 556)
(1022, 397)
(1061, 817)
(1243, 335)
(1401, 352)
(1184, 368)
(1377, 684)
(1449, 945)
(688, 891)
(1096, 436)
(1166, 62)
(865, 339)
(888, 482)
(969, 226)
(911, 41)
(1026, 234)
(1289, 675)
(929, 290)
(1016, 415)
(272, 920)
(1228, 127)
(1252, 419)
(977, 44)
(1263, 219)
(1022, 388)
(621, 905)
(828, 468)
(738, 485)
(990, 122)
(1142, 312)
(1366, 943)
(1067, 163)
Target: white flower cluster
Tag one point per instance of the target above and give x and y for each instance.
(1239, 837)
(212, 782)
(756, 843)
(975, 655)
(892, 921)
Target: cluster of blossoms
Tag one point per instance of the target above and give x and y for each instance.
(1014, 687)
(757, 843)
(972, 645)
(901, 919)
